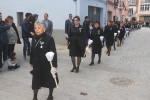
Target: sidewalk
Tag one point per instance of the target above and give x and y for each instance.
(124, 75)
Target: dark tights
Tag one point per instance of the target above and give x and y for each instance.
(36, 93)
(93, 56)
(108, 49)
(74, 61)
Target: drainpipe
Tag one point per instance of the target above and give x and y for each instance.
(75, 6)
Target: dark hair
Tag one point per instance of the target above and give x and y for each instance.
(46, 14)
(0, 13)
(31, 19)
(12, 54)
(86, 17)
(27, 15)
(7, 20)
(70, 14)
(97, 22)
(77, 18)
(10, 17)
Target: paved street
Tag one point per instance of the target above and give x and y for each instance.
(125, 75)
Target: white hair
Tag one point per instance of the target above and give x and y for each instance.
(39, 23)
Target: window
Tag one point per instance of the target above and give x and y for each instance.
(145, 8)
(132, 1)
(147, 1)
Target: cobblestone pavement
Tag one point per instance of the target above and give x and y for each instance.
(125, 75)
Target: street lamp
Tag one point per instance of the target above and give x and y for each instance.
(75, 6)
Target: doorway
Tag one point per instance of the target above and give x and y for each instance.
(94, 13)
(19, 18)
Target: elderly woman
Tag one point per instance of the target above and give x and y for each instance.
(42, 71)
(12, 36)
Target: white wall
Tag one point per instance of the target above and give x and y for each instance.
(96, 3)
(58, 10)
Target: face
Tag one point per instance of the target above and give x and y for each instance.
(96, 25)
(76, 21)
(39, 29)
(87, 19)
(0, 17)
(45, 17)
(70, 16)
(15, 57)
(9, 22)
(121, 24)
(36, 18)
(109, 23)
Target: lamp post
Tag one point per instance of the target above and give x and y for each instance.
(75, 6)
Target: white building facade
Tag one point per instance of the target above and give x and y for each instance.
(58, 11)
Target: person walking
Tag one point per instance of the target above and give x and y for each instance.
(97, 44)
(77, 43)
(24, 36)
(86, 25)
(3, 40)
(121, 33)
(115, 31)
(36, 18)
(48, 25)
(109, 35)
(68, 23)
(12, 36)
(42, 71)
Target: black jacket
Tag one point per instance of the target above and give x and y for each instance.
(95, 35)
(14, 26)
(86, 25)
(109, 32)
(30, 28)
(122, 33)
(67, 25)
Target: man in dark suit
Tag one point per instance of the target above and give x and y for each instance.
(68, 23)
(86, 25)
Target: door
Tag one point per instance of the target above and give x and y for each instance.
(94, 13)
(147, 18)
(19, 18)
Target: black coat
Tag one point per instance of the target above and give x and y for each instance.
(15, 28)
(97, 44)
(109, 35)
(86, 25)
(77, 41)
(122, 33)
(30, 28)
(41, 66)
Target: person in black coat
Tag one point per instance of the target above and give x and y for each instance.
(42, 71)
(68, 23)
(77, 43)
(121, 32)
(97, 44)
(86, 25)
(109, 35)
(115, 31)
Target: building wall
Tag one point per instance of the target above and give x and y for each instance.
(95, 3)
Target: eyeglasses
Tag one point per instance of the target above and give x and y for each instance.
(76, 20)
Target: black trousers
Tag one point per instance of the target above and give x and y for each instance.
(11, 48)
(3, 53)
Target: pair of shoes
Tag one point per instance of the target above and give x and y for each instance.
(74, 68)
(77, 69)
(50, 98)
(91, 64)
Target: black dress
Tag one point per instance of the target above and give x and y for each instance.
(41, 66)
(77, 41)
(109, 35)
(122, 33)
(30, 28)
(97, 44)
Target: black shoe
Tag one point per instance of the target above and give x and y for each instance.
(109, 54)
(16, 66)
(91, 64)
(74, 68)
(35, 99)
(99, 61)
(50, 98)
(77, 69)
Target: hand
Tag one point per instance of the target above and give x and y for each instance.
(31, 65)
(32, 33)
(16, 62)
(53, 70)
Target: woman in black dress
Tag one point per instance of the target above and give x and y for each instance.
(42, 71)
(97, 44)
(109, 35)
(115, 31)
(77, 43)
(121, 33)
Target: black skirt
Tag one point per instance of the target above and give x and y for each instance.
(109, 41)
(96, 48)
